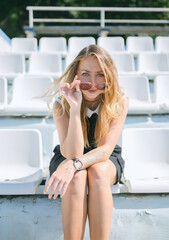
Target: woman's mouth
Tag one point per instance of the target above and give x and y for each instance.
(92, 91)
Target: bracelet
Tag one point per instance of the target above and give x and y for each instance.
(75, 160)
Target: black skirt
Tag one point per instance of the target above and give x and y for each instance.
(115, 157)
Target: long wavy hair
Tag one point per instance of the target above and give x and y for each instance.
(112, 98)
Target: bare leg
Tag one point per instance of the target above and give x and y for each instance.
(74, 207)
(100, 200)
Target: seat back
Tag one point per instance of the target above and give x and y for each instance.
(52, 44)
(153, 62)
(146, 152)
(162, 44)
(123, 61)
(44, 62)
(76, 44)
(12, 63)
(111, 44)
(3, 91)
(22, 45)
(28, 88)
(135, 87)
(161, 89)
(139, 44)
(20, 146)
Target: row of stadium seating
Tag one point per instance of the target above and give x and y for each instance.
(134, 45)
(45, 64)
(145, 151)
(26, 89)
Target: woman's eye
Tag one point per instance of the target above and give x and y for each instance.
(100, 75)
(85, 74)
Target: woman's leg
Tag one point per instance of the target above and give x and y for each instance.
(74, 207)
(100, 201)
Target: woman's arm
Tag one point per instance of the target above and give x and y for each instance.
(107, 145)
(70, 133)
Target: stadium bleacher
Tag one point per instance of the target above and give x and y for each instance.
(27, 69)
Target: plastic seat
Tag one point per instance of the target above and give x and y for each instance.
(5, 47)
(137, 89)
(11, 65)
(76, 44)
(3, 93)
(146, 152)
(124, 63)
(69, 58)
(53, 45)
(153, 64)
(162, 44)
(161, 90)
(111, 44)
(136, 45)
(24, 45)
(45, 64)
(20, 161)
(24, 101)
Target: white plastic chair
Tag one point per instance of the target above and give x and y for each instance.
(162, 44)
(20, 161)
(124, 63)
(45, 64)
(161, 90)
(11, 65)
(3, 93)
(146, 151)
(111, 44)
(24, 45)
(24, 101)
(69, 58)
(76, 44)
(136, 45)
(153, 64)
(53, 45)
(137, 89)
(4, 46)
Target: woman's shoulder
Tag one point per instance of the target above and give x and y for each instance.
(57, 102)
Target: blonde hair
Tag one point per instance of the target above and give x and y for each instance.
(112, 99)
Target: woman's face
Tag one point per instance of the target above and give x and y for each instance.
(89, 70)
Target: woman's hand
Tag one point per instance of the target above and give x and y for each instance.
(72, 94)
(60, 179)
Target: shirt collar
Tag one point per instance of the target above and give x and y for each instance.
(90, 112)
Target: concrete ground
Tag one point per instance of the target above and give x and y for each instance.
(135, 217)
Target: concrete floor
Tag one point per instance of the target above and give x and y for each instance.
(135, 217)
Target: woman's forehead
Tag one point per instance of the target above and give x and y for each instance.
(90, 64)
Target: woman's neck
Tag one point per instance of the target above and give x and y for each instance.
(92, 105)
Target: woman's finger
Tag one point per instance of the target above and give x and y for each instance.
(59, 188)
(53, 188)
(64, 188)
(50, 181)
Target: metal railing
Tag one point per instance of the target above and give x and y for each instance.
(102, 20)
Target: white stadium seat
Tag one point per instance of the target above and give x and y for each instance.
(45, 64)
(153, 64)
(24, 101)
(146, 151)
(124, 63)
(69, 58)
(4, 45)
(3, 93)
(76, 44)
(136, 45)
(161, 90)
(11, 65)
(53, 45)
(137, 89)
(162, 44)
(111, 44)
(20, 161)
(24, 45)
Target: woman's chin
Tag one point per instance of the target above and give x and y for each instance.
(91, 96)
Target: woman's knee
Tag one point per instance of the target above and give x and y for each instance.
(78, 184)
(98, 174)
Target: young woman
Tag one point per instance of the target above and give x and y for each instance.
(89, 116)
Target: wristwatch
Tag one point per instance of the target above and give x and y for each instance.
(75, 160)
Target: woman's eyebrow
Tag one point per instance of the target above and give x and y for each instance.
(90, 71)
